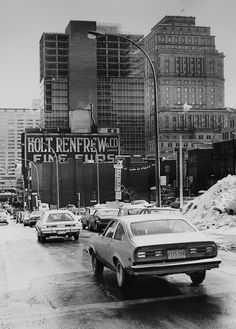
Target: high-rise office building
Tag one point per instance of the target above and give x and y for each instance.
(190, 79)
(109, 75)
(78, 74)
(12, 124)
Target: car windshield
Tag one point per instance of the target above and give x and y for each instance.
(59, 217)
(150, 227)
(107, 212)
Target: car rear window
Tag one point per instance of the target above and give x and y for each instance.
(107, 212)
(60, 217)
(134, 211)
(160, 227)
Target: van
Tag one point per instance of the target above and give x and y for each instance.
(43, 207)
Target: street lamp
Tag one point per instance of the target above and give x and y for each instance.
(98, 180)
(94, 34)
(57, 176)
(233, 133)
(37, 173)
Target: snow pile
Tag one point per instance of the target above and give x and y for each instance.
(216, 208)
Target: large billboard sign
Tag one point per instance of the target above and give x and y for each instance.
(39, 147)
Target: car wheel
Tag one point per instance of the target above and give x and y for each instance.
(90, 227)
(76, 236)
(96, 227)
(43, 239)
(96, 265)
(198, 277)
(121, 275)
(39, 237)
(83, 226)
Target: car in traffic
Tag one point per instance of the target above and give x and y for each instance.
(85, 216)
(5, 213)
(130, 209)
(57, 223)
(153, 244)
(101, 217)
(34, 217)
(4, 217)
(140, 202)
(153, 210)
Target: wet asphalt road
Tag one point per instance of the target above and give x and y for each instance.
(51, 286)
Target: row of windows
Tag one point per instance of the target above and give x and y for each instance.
(55, 51)
(190, 40)
(59, 44)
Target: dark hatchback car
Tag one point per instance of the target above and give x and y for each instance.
(85, 217)
(99, 220)
(34, 217)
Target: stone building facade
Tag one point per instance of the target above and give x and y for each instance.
(190, 76)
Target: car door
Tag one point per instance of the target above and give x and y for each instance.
(120, 246)
(104, 241)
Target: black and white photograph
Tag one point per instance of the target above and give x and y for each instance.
(117, 164)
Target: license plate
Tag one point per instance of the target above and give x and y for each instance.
(61, 232)
(176, 254)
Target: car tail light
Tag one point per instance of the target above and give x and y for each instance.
(203, 250)
(150, 253)
(141, 254)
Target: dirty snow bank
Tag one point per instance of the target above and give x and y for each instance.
(211, 209)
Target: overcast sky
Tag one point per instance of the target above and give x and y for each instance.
(22, 23)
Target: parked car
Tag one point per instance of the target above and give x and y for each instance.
(140, 202)
(156, 210)
(3, 217)
(101, 218)
(130, 209)
(85, 216)
(34, 217)
(5, 213)
(153, 244)
(59, 223)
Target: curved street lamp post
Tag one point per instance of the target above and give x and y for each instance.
(94, 34)
(37, 174)
(57, 176)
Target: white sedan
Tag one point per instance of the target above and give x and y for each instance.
(59, 223)
(153, 244)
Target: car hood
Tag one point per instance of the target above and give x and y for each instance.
(170, 238)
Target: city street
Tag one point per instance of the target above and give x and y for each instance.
(51, 285)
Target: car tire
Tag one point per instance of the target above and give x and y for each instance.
(39, 237)
(76, 236)
(197, 277)
(83, 226)
(96, 227)
(122, 276)
(43, 239)
(97, 266)
(90, 227)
